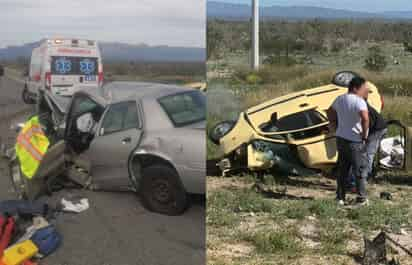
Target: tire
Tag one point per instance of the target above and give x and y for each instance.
(26, 97)
(220, 130)
(17, 179)
(343, 78)
(161, 190)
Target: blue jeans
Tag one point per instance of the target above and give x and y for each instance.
(351, 157)
(372, 146)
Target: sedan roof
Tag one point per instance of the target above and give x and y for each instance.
(121, 90)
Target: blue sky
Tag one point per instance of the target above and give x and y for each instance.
(358, 5)
(154, 22)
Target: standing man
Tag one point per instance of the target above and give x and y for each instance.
(350, 113)
(377, 130)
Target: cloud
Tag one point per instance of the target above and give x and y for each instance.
(155, 22)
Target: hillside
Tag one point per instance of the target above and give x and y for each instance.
(231, 11)
(112, 51)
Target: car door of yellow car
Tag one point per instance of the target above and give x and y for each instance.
(395, 150)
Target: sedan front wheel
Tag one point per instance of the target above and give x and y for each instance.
(161, 190)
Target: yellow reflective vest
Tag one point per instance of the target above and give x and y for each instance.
(31, 146)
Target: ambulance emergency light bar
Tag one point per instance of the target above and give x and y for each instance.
(73, 42)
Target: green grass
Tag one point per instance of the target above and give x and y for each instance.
(243, 200)
(283, 242)
(325, 209)
(278, 223)
(380, 215)
(220, 212)
(333, 236)
(300, 209)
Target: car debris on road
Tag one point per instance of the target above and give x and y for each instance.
(74, 207)
(25, 233)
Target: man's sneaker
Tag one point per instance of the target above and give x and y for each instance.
(340, 202)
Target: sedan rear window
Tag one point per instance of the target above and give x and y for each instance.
(185, 108)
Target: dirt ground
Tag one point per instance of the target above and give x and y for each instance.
(295, 220)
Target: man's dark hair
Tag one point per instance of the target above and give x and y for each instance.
(356, 83)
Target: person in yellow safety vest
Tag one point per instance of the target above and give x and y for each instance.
(31, 146)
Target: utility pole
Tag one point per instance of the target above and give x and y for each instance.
(255, 35)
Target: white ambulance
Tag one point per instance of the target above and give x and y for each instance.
(63, 66)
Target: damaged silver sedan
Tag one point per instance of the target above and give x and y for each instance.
(127, 135)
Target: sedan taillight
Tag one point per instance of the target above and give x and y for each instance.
(47, 79)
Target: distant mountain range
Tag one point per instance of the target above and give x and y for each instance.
(112, 51)
(231, 11)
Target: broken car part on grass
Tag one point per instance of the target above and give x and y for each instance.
(136, 136)
(291, 134)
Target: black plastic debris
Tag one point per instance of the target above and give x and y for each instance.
(375, 250)
(384, 195)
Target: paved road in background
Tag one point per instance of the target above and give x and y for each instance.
(116, 229)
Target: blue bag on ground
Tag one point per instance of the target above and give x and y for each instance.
(22, 207)
(47, 240)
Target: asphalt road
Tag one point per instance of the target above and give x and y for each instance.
(116, 229)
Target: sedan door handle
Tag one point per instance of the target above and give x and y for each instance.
(127, 140)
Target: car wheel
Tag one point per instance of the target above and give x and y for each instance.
(343, 78)
(26, 96)
(220, 130)
(161, 190)
(18, 181)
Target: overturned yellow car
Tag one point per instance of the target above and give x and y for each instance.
(288, 133)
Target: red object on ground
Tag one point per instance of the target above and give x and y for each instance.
(5, 237)
(2, 222)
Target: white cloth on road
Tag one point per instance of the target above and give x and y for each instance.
(79, 207)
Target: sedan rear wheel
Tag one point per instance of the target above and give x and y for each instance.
(161, 190)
